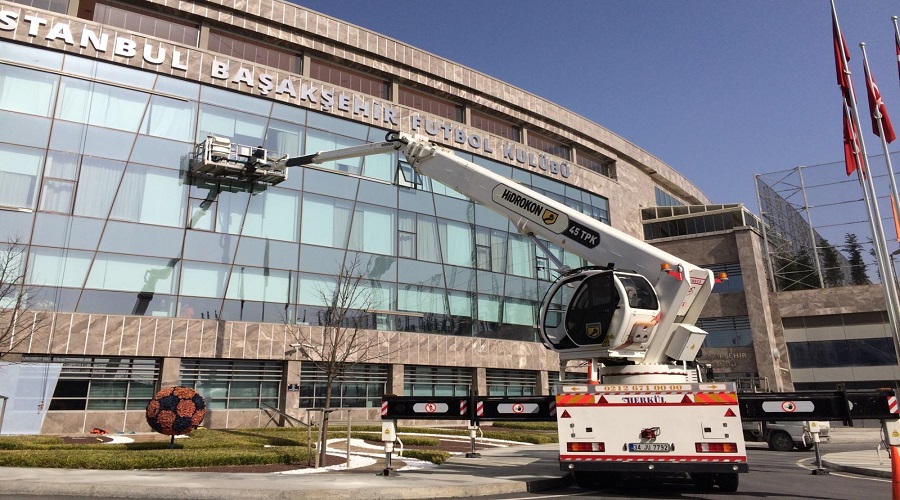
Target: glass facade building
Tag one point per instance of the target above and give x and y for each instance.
(108, 105)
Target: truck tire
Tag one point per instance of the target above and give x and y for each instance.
(780, 441)
(728, 483)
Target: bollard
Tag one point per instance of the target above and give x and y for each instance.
(813, 427)
(473, 433)
(388, 436)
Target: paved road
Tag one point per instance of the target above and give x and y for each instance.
(772, 474)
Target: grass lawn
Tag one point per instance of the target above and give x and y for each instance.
(222, 447)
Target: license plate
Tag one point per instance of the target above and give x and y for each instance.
(657, 447)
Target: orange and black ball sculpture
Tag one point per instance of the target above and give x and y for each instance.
(174, 411)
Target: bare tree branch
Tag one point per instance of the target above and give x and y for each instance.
(341, 340)
(16, 322)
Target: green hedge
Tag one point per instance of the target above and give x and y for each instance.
(434, 456)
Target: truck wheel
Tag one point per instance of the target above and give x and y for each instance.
(728, 482)
(704, 481)
(780, 441)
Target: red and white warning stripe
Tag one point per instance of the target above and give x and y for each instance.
(463, 406)
(679, 459)
(384, 408)
(479, 408)
(892, 404)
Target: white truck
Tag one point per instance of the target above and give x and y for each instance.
(642, 409)
(785, 436)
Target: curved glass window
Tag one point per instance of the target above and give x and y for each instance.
(101, 105)
(97, 185)
(317, 140)
(520, 258)
(273, 214)
(373, 229)
(20, 170)
(58, 267)
(456, 242)
(151, 195)
(325, 221)
(264, 285)
(315, 290)
(421, 299)
(201, 279)
(239, 126)
(170, 118)
(27, 91)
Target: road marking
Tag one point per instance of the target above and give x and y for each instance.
(566, 495)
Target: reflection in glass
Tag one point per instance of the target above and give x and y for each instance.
(132, 273)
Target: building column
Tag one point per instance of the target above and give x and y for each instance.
(479, 381)
(203, 42)
(289, 402)
(394, 384)
(305, 63)
(765, 324)
(543, 383)
(170, 372)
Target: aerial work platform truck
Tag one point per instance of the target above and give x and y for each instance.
(642, 407)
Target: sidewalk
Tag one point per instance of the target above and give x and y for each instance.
(516, 469)
(872, 462)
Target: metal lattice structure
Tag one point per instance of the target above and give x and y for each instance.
(808, 214)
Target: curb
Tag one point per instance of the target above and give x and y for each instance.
(196, 492)
(862, 471)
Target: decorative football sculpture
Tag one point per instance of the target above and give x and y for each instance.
(175, 411)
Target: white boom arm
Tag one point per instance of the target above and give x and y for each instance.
(682, 290)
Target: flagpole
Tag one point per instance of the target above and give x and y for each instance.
(879, 119)
(881, 255)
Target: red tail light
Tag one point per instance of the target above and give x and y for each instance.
(585, 447)
(716, 448)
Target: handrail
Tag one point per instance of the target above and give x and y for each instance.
(285, 415)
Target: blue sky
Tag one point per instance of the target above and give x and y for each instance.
(720, 90)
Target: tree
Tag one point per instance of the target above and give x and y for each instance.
(832, 272)
(858, 273)
(14, 296)
(342, 340)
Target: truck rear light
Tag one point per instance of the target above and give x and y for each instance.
(716, 448)
(582, 447)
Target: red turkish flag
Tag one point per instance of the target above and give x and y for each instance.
(877, 109)
(851, 145)
(841, 55)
